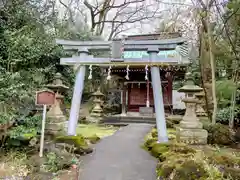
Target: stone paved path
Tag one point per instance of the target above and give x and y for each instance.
(120, 157)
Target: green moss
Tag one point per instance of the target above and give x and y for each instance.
(182, 148)
(164, 170)
(179, 161)
(93, 139)
(154, 133)
(190, 170)
(88, 130)
(231, 173)
(223, 159)
(77, 141)
(159, 148)
(149, 143)
(169, 161)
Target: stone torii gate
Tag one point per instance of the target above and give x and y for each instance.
(116, 47)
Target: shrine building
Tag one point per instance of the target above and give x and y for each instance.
(134, 90)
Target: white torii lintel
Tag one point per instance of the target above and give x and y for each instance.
(90, 60)
(130, 45)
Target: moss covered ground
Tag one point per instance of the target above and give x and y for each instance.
(88, 130)
(178, 161)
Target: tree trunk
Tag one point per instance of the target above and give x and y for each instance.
(213, 69)
(206, 71)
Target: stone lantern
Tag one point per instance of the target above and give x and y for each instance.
(200, 110)
(190, 129)
(56, 120)
(96, 114)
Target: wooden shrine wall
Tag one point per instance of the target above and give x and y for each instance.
(137, 96)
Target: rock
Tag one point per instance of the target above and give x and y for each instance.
(67, 147)
(36, 162)
(78, 142)
(82, 151)
(93, 139)
(175, 119)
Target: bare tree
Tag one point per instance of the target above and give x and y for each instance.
(114, 16)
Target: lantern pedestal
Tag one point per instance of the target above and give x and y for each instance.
(191, 136)
(190, 129)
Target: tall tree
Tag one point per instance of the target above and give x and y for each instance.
(207, 59)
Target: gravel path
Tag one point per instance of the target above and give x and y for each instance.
(120, 157)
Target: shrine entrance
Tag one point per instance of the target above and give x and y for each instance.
(138, 92)
(150, 53)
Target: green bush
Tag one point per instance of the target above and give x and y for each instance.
(54, 162)
(224, 91)
(21, 135)
(218, 134)
(224, 115)
(4, 118)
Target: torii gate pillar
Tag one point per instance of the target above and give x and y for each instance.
(77, 95)
(158, 98)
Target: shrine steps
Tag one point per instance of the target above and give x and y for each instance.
(125, 120)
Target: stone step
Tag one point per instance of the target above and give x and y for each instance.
(126, 120)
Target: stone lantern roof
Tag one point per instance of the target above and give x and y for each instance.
(98, 93)
(189, 85)
(57, 84)
(200, 94)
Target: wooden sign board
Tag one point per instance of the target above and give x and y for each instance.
(45, 97)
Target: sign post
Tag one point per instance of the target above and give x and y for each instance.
(44, 98)
(42, 131)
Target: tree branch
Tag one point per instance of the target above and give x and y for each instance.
(69, 10)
